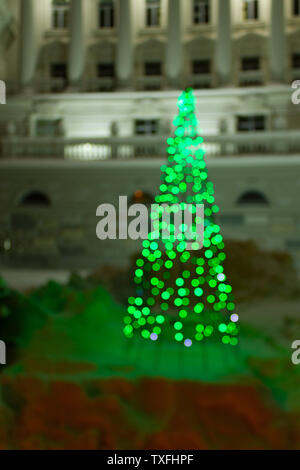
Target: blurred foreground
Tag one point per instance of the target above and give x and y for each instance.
(73, 381)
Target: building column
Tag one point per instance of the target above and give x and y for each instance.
(277, 41)
(124, 45)
(224, 45)
(28, 44)
(174, 44)
(76, 46)
(5, 25)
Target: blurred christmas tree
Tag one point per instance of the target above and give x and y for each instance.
(182, 291)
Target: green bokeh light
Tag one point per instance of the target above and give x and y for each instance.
(178, 289)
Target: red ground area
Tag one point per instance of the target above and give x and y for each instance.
(143, 414)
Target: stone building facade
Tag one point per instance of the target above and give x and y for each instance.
(91, 95)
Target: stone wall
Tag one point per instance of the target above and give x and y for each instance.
(60, 231)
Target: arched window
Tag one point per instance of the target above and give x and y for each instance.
(253, 198)
(35, 199)
(60, 14)
(106, 14)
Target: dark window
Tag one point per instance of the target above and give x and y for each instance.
(153, 13)
(59, 70)
(48, 127)
(106, 14)
(146, 126)
(201, 11)
(153, 68)
(253, 197)
(201, 67)
(296, 7)
(250, 9)
(251, 123)
(106, 70)
(250, 63)
(35, 198)
(60, 14)
(296, 61)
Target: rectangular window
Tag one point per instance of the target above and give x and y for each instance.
(153, 12)
(201, 11)
(296, 7)
(153, 68)
(106, 14)
(106, 70)
(146, 126)
(48, 127)
(250, 9)
(251, 123)
(296, 60)
(250, 63)
(58, 70)
(200, 67)
(60, 14)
